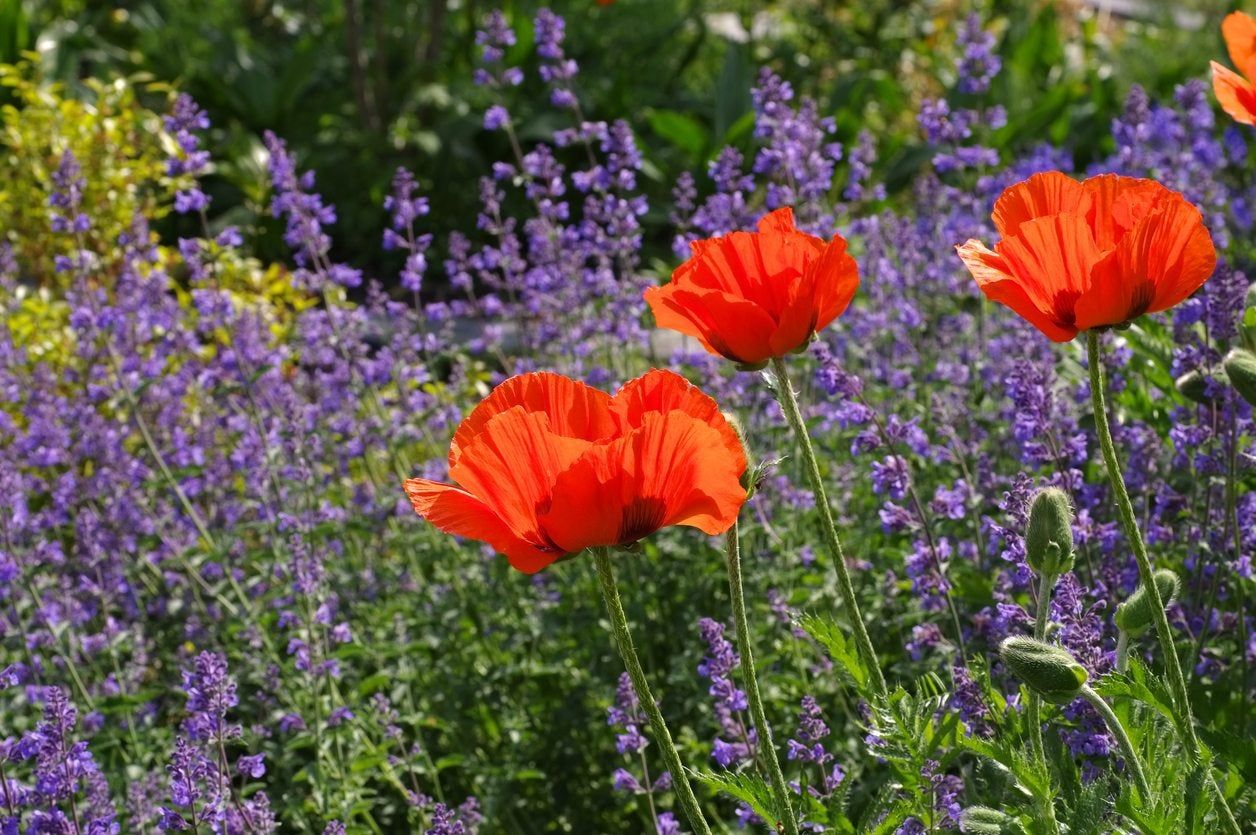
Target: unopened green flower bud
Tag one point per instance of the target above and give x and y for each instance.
(1047, 670)
(1240, 367)
(982, 820)
(1193, 385)
(1136, 614)
(1049, 540)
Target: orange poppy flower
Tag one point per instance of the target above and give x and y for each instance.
(1235, 90)
(546, 466)
(753, 296)
(1094, 254)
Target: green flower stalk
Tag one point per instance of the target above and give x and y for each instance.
(777, 778)
(1132, 760)
(789, 405)
(1155, 602)
(662, 736)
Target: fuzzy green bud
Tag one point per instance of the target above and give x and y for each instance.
(1193, 385)
(982, 820)
(1240, 367)
(1049, 539)
(1047, 670)
(1135, 616)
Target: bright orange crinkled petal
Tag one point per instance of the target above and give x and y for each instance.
(1165, 258)
(567, 467)
(752, 296)
(659, 391)
(1093, 254)
(835, 279)
(673, 470)
(573, 408)
(1235, 93)
(455, 511)
(1118, 203)
(1051, 258)
(995, 280)
(512, 464)
(725, 324)
(1239, 31)
(1042, 195)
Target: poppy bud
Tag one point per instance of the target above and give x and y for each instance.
(982, 820)
(1049, 539)
(1193, 385)
(1134, 616)
(1247, 325)
(1240, 367)
(1049, 671)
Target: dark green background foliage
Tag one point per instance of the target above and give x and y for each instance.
(358, 87)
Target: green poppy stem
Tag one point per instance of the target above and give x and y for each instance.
(1129, 523)
(1132, 760)
(1033, 712)
(789, 824)
(789, 405)
(662, 737)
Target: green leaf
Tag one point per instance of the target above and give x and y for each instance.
(749, 789)
(841, 648)
(1139, 687)
(681, 130)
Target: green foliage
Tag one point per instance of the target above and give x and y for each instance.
(840, 647)
(360, 87)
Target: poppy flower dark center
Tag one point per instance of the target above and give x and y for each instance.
(1063, 307)
(640, 519)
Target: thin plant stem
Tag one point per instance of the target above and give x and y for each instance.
(1132, 759)
(663, 737)
(1129, 523)
(744, 645)
(1122, 652)
(789, 405)
(1034, 709)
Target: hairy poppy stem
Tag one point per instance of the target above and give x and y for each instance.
(1129, 523)
(623, 640)
(789, 405)
(1132, 760)
(1034, 708)
(766, 745)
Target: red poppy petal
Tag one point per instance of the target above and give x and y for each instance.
(1239, 31)
(659, 391)
(511, 465)
(1158, 264)
(1118, 203)
(759, 266)
(674, 470)
(998, 284)
(455, 511)
(574, 409)
(780, 221)
(725, 324)
(1235, 93)
(1052, 258)
(836, 281)
(1042, 195)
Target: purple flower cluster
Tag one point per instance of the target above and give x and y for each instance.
(737, 741)
(202, 783)
(626, 718)
(64, 789)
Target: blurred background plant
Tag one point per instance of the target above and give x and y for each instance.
(361, 86)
